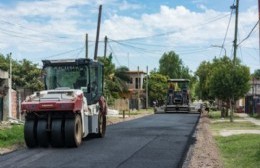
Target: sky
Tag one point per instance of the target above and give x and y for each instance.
(139, 31)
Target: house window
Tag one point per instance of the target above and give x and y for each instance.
(131, 81)
(137, 83)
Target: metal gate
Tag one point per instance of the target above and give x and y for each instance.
(1, 109)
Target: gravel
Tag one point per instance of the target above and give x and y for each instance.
(204, 152)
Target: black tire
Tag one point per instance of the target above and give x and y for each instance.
(57, 133)
(42, 133)
(102, 125)
(30, 133)
(73, 132)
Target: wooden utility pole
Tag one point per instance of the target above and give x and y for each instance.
(138, 87)
(236, 30)
(86, 45)
(232, 104)
(98, 30)
(259, 25)
(10, 114)
(146, 87)
(105, 50)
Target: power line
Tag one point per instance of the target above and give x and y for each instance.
(31, 29)
(27, 37)
(122, 48)
(113, 53)
(131, 46)
(231, 13)
(249, 33)
(172, 32)
(79, 52)
(143, 50)
(65, 52)
(193, 52)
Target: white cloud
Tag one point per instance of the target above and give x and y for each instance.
(64, 18)
(201, 6)
(122, 27)
(128, 6)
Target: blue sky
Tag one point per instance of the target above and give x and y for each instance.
(139, 31)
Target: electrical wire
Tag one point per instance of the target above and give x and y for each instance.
(249, 34)
(143, 50)
(65, 52)
(131, 46)
(31, 29)
(26, 37)
(172, 32)
(77, 55)
(222, 46)
(113, 53)
(140, 54)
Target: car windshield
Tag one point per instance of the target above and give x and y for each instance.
(73, 77)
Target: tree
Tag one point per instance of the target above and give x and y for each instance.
(171, 65)
(115, 79)
(121, 78)
(228, 82)
(25, 74)
(157, 87)
(256, 74)
(203, 73)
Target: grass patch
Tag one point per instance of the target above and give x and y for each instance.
(240, 151)
(216, 115)
(256, 116)
(234, 125)
(11, 136)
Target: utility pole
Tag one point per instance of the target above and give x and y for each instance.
(105, 50)
(259, 25)
(86, 45)
(138, 87)
(10, 87)
(236, 30)
(128, 60)
(98, 30)
(234, 58)
(146, 87)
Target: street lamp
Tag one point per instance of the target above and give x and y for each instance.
(218, 46)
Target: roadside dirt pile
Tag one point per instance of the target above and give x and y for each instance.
(205, 152)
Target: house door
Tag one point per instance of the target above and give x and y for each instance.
(1, 108)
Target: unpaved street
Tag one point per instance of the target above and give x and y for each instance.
(159, 140)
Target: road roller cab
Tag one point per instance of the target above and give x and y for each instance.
(70, 108)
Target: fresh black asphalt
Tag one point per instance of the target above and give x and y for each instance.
(156, 141)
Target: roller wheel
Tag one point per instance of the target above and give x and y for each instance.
(102, 124)
(30, 133)
(73, 132)
(57, 133)
(42, 133)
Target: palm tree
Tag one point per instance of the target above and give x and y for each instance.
(115, 79)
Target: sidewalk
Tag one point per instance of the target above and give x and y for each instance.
(246, 117)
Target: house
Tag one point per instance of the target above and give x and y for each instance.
(252, 98)
(136, 89)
